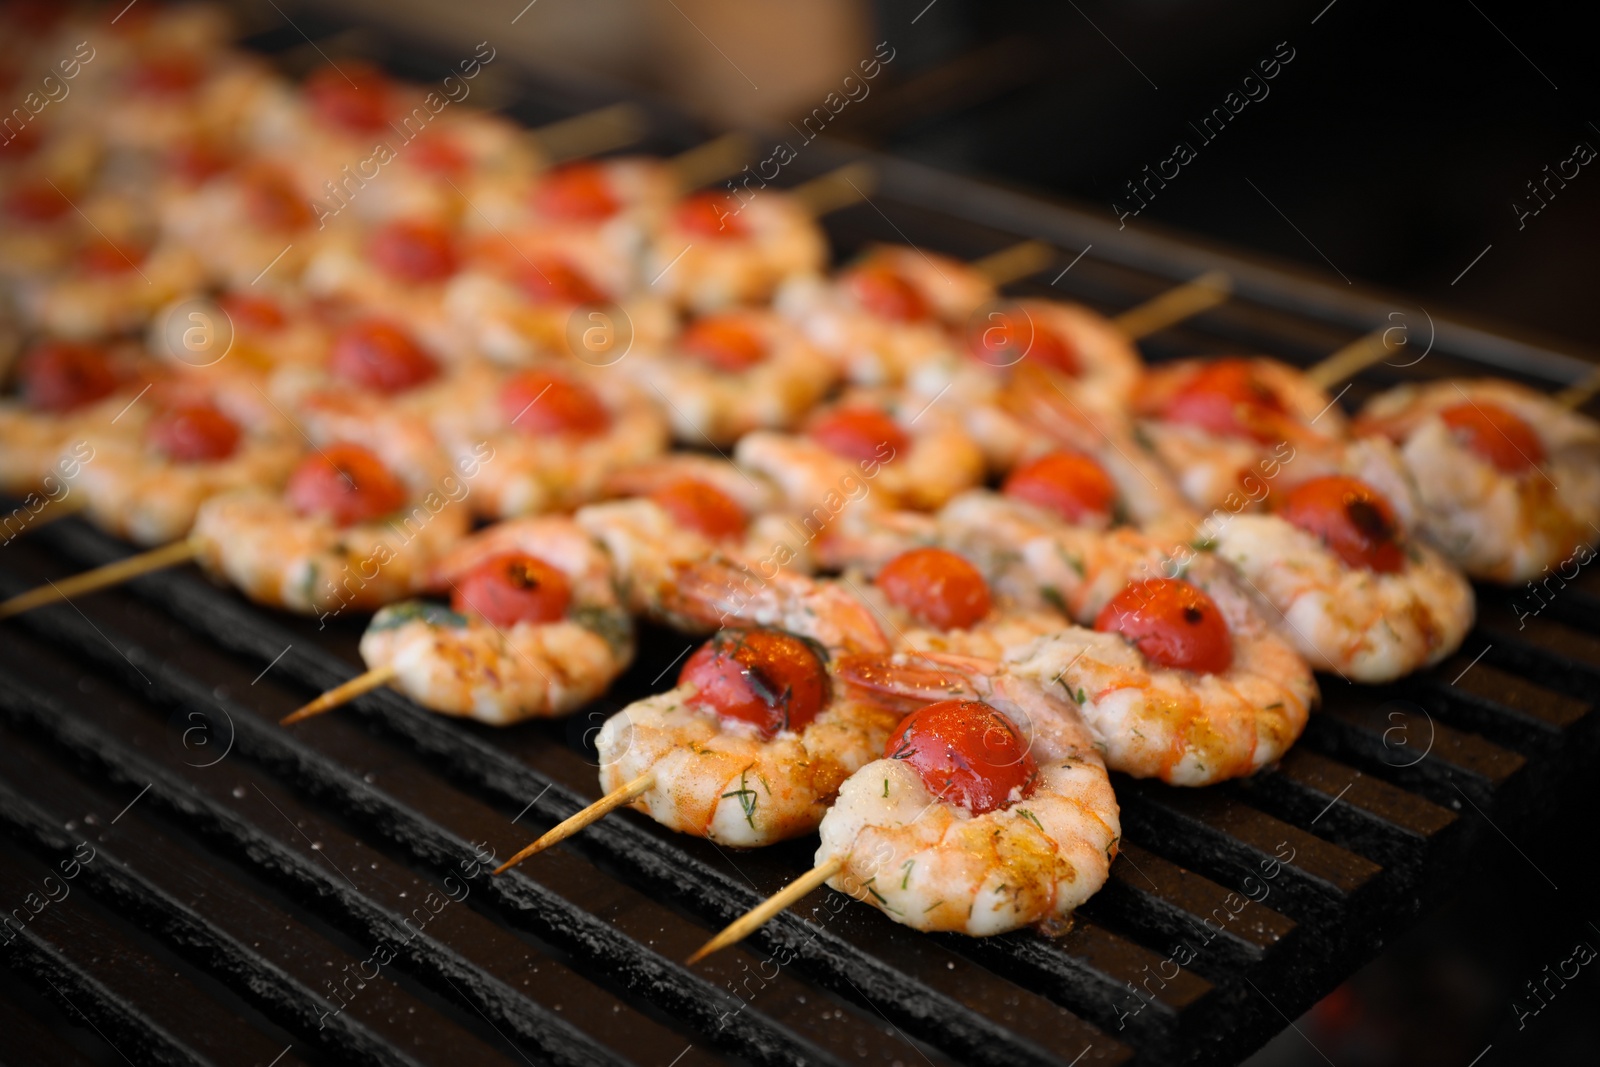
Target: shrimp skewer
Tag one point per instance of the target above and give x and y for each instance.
(983, 816)
(1509, 480)
(534, 629)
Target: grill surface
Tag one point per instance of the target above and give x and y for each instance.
(272, 896)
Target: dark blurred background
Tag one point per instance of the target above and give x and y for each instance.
(1393, 147)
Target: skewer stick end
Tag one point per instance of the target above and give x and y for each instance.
(102, 577)
(613, 800)
(342, 694)
(757, 916)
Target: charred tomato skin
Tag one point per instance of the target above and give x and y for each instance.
(769, 678)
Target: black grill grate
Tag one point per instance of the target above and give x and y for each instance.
(243, 873)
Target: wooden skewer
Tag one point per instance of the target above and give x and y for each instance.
(1014, 263)
(102, 577)
(1579, 394)
(753, 919)
(342, 694)
(836, 189)
(1351, 360)
(716, 159)
(1175, 305)
(593, 813)
(592, 132)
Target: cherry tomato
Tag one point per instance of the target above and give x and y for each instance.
(766, 677)
(514, 587)
(357, 97)
(36, 201)
(1497, 435)
(884, 292)
(1173, 623)
(576, 191)
(1007, 337)
(1225, 397)
(272, 201)
(550, 281)
(106, 257)
(257, 314)
(439, 153)
(194, 433)
(346, 483)
(541, 403)
(414, 251)
(1352, 519)
(936, 586)
(967, 753)
(173, 74)
(60, 376)
(859, 433)
(710, 214)
(1070, 484)
(702, 508)
(25, 142)
(378, 355)
(727, 342)
(196, 159)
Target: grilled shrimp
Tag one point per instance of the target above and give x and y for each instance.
(180, 445)
(1509, 481)
(1366, 624)
(1214, 423)
(887, 315)
(734, 372)
(519, 641)
(356, 528)
(878, 443)
(65, 391)
(750, 747)
(981, 818)
(249, 226)
(111, 287)
(713, 252)
(555, 435)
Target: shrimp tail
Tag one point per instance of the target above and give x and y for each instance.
(912, 680)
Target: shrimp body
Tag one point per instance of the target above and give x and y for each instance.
(465, 665)
(721, 780)
(1504, 526)
(707, 404)
(933, 865)
(774, 238)
(1183, 727)
(530, 472)
(726, 592)
(118, 299)
(1368, 626)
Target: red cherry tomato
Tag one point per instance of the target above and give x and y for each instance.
(576, 191)
(702, 508)
(23, 142)
(36, 201)
(194, 433)
(860, 433)
(196, 159)
(60, 376)
(541, 403)
(550, 281)
(257, 314)
(1070, 484)
(886, 293)
(1497, 435)
(106, 257)
(272, 201)
(1173, 623)
(414, 251)
(1007, 337)
(766, 677)
(378, 355)
(346, 483)
(439, 153)
(1226, 397)
(167, 75)
(967, 753)
(727, 342)
(511, 588)
(937, 587)
(356, 97)
(710, 214)
(1352, 519)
